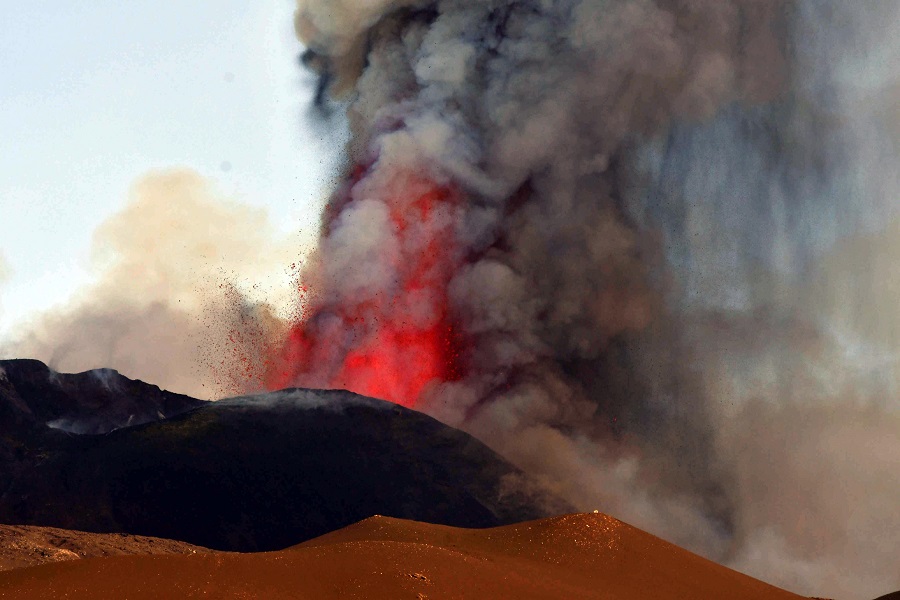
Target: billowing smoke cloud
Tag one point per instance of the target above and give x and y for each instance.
(173, 299)
(611, 239)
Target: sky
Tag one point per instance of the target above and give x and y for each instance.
(95, 94)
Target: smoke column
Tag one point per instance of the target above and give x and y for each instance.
(640, 247)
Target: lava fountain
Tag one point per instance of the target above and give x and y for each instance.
(396, 334)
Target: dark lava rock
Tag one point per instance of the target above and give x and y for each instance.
(268, 471)
(38, 406)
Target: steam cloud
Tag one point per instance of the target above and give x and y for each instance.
(665, 228)
(169, 304)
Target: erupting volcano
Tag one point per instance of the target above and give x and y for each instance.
(637, 256)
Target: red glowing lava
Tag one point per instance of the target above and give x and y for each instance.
(384, 347)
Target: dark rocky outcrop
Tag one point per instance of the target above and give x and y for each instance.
(95, 401)
(40, 407)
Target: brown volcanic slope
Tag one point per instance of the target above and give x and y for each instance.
(573, 557)
(27, 546)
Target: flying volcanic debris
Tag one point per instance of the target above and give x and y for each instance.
(589, 233)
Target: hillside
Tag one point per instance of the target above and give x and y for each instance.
(573, 557)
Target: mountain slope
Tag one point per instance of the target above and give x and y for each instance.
(267, 471)
(577, 557)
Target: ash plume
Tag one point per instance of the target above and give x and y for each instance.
(614, 240)
(170, 302)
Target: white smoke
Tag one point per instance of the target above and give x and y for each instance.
(662, 324)
(176, 294)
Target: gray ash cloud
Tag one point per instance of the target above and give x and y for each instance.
(650, 271)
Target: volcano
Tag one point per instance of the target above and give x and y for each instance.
(250, 473)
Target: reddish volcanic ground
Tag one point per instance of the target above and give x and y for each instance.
(578, 556)
(26, 546)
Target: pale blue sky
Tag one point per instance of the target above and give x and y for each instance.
(94, 93)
